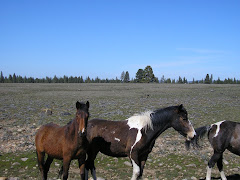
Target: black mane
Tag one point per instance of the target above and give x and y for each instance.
(163, 113)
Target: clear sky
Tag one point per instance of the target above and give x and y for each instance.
(103, 38)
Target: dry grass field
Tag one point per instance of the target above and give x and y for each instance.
(23, 110)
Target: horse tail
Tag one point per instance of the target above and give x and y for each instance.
(200, 132)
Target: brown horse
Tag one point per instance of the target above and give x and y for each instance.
(66, 143)
(134, 137)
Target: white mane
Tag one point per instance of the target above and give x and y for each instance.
(140, 121)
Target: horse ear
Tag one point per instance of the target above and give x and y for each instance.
(180, 108)
(88, 104)
(78, 105)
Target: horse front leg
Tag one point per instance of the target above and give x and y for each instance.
(81, 164)
(220, 167)
(66, 164)
(216, 156)
(135, 165)
(142, 161)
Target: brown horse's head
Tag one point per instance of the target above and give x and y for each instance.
(182, 124)
(82, 115)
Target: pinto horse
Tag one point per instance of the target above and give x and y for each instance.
(66, 143)
(134, 137)
(221, 135)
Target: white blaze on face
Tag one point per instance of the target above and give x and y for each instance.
(192, 133)
(218, 128)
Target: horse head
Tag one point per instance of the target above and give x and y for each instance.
(182, 124)
(82, 116)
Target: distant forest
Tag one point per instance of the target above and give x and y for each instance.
(142, 76)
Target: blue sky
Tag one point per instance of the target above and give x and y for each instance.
(105, 37)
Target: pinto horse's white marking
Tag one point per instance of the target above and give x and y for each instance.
(139, 122)
(218, 127)
(117, 139)
(136, 170)
(209, 171)
(223, 175)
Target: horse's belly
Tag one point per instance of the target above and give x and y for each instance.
(114, 149)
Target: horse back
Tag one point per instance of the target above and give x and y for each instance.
(221, 133)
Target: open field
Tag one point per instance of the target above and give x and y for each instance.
(22, 111)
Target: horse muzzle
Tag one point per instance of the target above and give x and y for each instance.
(82, 132)
(191, 135)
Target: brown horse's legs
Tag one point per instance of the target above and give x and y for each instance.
(81, 164)
(47, 166)
(40, 159)
(66, 164)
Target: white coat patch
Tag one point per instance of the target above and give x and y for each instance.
(218, 128)
(140, 121)
(117, 139)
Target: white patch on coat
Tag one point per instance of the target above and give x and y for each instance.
(83, 130)
(117, 139)
(218, 127)
(140, 121)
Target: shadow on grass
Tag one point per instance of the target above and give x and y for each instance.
(231, 177)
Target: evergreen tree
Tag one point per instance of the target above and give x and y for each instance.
(207, 79)
(148, 75)
(122, 76)
(140, 75)
(2, 78)
(126, 77)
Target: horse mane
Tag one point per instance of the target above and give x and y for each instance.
(162, 113)
(141, 121)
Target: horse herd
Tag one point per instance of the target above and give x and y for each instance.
(133, 138)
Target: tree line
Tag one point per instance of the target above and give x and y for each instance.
(142, 76)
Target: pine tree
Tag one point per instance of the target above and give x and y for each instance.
(126, 77)
(2, 78)
(122, 76)
(140, 75)
(207, 79)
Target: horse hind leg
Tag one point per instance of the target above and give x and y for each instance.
(41, 166)
(220, 167)
(47, 166)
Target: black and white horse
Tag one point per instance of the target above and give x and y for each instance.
(134, 137)
(222, 135)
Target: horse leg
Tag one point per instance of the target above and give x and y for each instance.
(92, 154)
(40, 159)
(66, 164)
(142, 161)
(81, 164)
(90, 165)
(216, 156)
(220, 167)
(60, 173)
(136, 166)
(47, 166)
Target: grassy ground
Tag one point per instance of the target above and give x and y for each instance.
(22, 111)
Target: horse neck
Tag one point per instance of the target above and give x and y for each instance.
(162, 120)
(72, 128)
